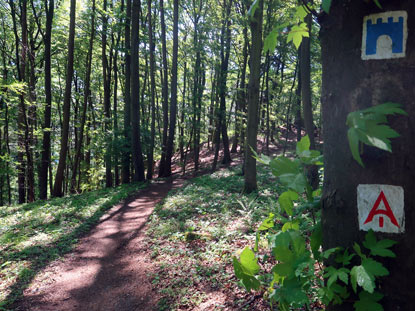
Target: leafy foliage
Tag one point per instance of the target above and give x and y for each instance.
(369, 127)
(295, 245)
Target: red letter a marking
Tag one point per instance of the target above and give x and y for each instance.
(388, 212)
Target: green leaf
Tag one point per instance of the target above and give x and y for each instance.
(354, 145)
(252, 9)
(268, 223)
(286, 201)
(249, 261)
(368, 302)
(326, 4)
(293, 225)
(377, 4)
(282, 165)
(360, 276)
(292, 291)
(248, 281)
(374, 268)
(315, 240)
(368, 126)
(297, 33)
(270, 41)
(297, 182)
(301, 12)
(380, 248)
(303, 145)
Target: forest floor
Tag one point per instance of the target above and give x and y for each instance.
(147, 253)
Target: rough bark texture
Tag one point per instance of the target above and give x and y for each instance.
(349, 84)
(253, 99)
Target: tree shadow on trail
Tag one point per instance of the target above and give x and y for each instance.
(39, 256)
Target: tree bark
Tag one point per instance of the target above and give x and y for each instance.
(165, 92)
(355, 84)
(173, 101)
(59, 178)
(137, 154)
(126, 155)
(253, 99)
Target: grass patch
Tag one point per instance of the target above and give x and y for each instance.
(32, 235)
(194, 234)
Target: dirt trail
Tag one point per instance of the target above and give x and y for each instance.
(109, 268)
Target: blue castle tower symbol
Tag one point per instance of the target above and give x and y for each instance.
(384, 39)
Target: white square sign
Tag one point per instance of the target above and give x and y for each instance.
(381, 208)
(384, 35)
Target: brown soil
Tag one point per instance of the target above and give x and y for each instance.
(110, 267)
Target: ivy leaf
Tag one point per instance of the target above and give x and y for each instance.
(359, 276)
(380, 248)
(326, 4)
(368, 302)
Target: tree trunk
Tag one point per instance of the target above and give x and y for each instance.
(126, 155)
(173, 101)
(253, 99)
(59, 178)
(150, 156)
(137, 154)
(355, 84)
(87, 87)
(106, 74)
(45, 157)
(165, 91)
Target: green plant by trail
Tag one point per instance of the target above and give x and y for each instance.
(299, 274)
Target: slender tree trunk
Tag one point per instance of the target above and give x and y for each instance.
(165, 91)
(126, 156)
(137, 154)
(57, 188)
(182, 115)
(173, 101)
(253, 99)
(150, 156)
(87, 89)
(45, 157)
(106, 73)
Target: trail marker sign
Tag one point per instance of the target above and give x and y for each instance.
(384, 35)
(381, 208)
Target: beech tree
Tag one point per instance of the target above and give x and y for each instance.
(352, 83)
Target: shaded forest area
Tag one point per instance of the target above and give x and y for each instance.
(97, 93)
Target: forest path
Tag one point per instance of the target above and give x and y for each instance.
(109, 269)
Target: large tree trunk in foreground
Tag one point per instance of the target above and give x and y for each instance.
(253, 100)
(57, 188)
(350, 84)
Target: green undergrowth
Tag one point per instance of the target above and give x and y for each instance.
(195, 232)
(32, 235)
